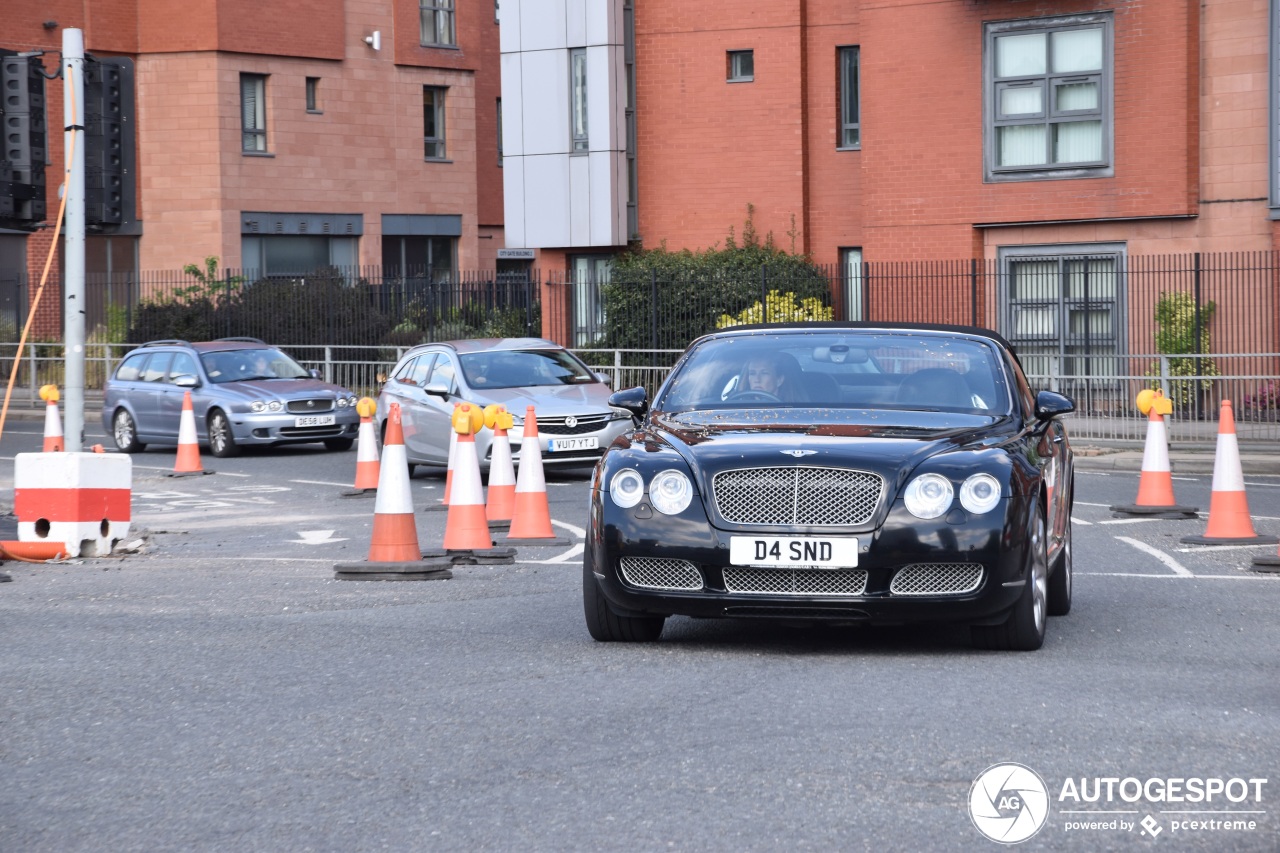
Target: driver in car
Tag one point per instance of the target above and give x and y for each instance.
(764, 374)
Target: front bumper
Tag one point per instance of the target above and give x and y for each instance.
(994, 541)
(272, 428)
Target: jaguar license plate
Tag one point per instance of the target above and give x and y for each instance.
(559, 445)
(793, 552)
(315, 420)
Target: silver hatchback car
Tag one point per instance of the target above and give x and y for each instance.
(242, 392)
(575, 421)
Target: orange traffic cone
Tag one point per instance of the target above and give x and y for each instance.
(532, 517)
(53, 442)
(188, 461)
(1155, 484)
(501, 499)
(367, 468)
(393, 550)
(1229, 520)
(466, 528)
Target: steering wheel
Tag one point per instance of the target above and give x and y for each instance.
(750, 396)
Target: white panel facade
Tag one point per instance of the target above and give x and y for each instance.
(546, 205)
(563, 200)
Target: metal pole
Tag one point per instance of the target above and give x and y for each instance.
(73, 303)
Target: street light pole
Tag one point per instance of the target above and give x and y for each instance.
(73, 310)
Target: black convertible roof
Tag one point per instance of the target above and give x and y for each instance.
(818, 325)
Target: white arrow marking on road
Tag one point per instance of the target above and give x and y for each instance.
(1177, 567)
(315, 537)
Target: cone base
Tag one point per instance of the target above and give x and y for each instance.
(1227, 540)
(359, 493)
(186, 473)
(1171, 511)
(1268, 565)
(391, 572)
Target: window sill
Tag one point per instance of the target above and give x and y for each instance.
(440, 46)
(1048, 174)
(848, 147)
(257, 154)
(315, 112)
(741, 80)
(436, 160)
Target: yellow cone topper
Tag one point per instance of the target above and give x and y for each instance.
(468, 419)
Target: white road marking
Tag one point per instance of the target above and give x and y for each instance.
(316, 537)
(576, 531)
(323, 483)
(1083, 503)
(1177, 567)
(1132, 520)
(1081, 522)
(1205, 549)
(1241, 577)
(563, 558)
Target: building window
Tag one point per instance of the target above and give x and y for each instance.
(295, 255)
(313, 94)
(578, 98)
(436, 23)
(742, 66)
(433, 122)
(589, 273)
(253, 112)
(418, 260)
(851, 276)
(850, 135)
(499, 132)
(1048, 95)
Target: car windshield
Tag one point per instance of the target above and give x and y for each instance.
(841, 369)
(523, 369)
(245, 364)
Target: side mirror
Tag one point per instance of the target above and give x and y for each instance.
(186, 380)
(437, 389)
(1050, 404)
(634, 400)
(315, 372)
(603, 377)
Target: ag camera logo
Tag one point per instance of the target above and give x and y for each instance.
(1008, 803)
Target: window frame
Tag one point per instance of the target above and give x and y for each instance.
(437, 111)
(733, 67)
(433, 12)
(1046, 117)
(579, 117)
(499, 102)
(851, 268)
(258, 130)
(313, 95)
(849, 57)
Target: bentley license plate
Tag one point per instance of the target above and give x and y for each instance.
(589, 442)
(314, 420)
(793, 552)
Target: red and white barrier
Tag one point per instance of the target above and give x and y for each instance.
(82, 499)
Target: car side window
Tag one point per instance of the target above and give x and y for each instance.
(445, 372)
(157, 367)
(131, 369)
(183, 365)
(421, 369)
(405, 373)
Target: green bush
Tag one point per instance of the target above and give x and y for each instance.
(1176, 335)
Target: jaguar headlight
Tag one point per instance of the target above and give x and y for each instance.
(275, 406)
(257, 406)
(671, 492)
(626, 488)
(928, 496)
(980, 493)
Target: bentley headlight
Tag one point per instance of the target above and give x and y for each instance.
(670, 491)
(928, 496)
(626, 488)
(980, 493)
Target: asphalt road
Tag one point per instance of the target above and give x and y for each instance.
(219, 690)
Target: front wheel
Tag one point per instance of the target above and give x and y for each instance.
(221, 440)
(125, 433)
(1060, 580)
(1024, 629)
(338, 443)
(605, 625)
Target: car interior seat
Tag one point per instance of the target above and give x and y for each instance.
(936, 386)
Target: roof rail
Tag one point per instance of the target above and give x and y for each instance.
(243, 340)
(166, 342)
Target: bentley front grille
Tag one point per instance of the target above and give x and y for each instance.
(660, 573)
(749, 581)
(309, 407)
(937, 579)
(796, 496)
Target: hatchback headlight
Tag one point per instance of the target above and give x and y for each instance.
(626, 488)
(980, 493)
(928, 496)
(671, 492)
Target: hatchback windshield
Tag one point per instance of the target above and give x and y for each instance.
(841, 370)
(246, 364)
(523, 369)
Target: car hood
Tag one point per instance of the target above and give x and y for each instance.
(280, 389)
(549, 400)
(891, 443)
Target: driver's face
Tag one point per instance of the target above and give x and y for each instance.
(761, 376)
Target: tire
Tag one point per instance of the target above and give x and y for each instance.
(222, 442)
(339, 444)
(412, 468)
(1024, 629)
(1060, 580)
(125, 432)
(605, 625)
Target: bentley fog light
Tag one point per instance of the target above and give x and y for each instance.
(626, 488)
(980, 493)
(670, 492)
(928, 496)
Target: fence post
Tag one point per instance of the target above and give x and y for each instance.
(973, 291)
(328, 364)
(617, 369)
(32, 366)
(764, 293)
(1164, 375)
(1195, 385)
(653, 302)
(866, 291)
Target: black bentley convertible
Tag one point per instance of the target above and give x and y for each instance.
(849, 472)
